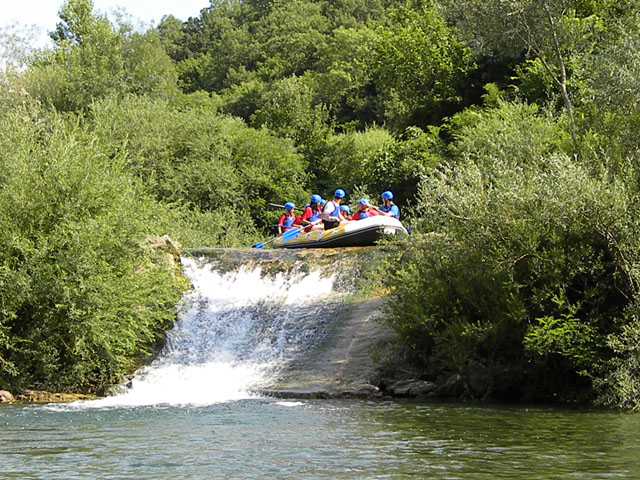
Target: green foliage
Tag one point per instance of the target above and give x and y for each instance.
(514, 131)
(81, 300)
(400, 166)
(560, 34)
(620, 385)
(419, 59)
(349, 156)
(355, 13)
(201, 159)
(524, 265)
(342, 75)
(290, 111)
(362, 63)
(289, 36)
(534, 84)
(92, 60)
(525, 256)
(15, 49)
(612, 86)
(375, 160)
(568, 337)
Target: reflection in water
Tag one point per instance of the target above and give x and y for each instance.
(502, 442)
(317, 439)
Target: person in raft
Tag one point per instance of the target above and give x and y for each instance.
(331, 215)
(388, 208)
(346, 212)
(311, 214)
(287, 219)
(365, 210)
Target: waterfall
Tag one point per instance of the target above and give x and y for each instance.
(236, 329)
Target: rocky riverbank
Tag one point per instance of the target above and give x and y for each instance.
(357, 359)
(38, 396)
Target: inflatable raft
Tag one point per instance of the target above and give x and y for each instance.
(360, 233)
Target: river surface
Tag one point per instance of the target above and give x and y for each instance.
(194, 413)
(320, 439)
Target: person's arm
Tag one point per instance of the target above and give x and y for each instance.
(306, 215)
(376, 209)
(281, 223)
(394, 211)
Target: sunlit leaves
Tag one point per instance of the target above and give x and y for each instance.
(92, 59)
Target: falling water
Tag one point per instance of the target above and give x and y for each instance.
(235, 330)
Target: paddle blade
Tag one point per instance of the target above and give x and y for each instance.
(259, 245)
(289, 234)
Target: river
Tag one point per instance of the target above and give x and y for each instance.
(320, 439)
(196, 412)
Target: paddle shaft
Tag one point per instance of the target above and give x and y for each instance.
(280, 206)
(285, 236)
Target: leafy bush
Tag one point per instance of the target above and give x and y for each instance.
(526, 265)
(519, 268)
(506, 130)
(81, 300)
(195, 157)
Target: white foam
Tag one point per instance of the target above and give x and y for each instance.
(232, 331)
(290, 404)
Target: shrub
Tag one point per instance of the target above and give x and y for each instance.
(81, 300)
(207, 162)
(528, 269)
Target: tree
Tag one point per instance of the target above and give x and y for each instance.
(208, 162)
(342, 78)
(560, 34)
(418, 61)
(81, 298)
(208, 48)
(289, 110)
(92, 60)
(289, 38)
(613, 85)
(15, 48)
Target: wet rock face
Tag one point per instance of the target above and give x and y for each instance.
(348, 262)
(37, 396)
(350, 350)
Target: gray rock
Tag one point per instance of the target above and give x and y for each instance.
(412, 388)
(361, 391)
(479, 378)
(453, 386)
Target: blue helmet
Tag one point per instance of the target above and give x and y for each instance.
(339, 193)
(388, 195)
(345, 208)
(315, 198)
(363, 201)
(289, 206)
